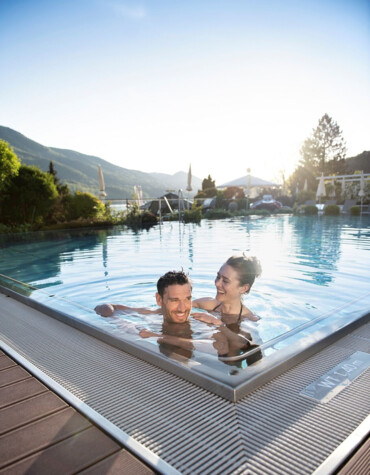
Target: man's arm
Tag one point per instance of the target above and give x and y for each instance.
(108, 309)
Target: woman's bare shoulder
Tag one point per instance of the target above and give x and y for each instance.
(206, 303)
(249, 315)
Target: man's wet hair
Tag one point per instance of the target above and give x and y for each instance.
(172, 278)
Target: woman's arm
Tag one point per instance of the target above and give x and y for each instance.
(205, 303)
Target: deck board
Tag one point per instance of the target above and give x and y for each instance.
(29, 410)
(41, 434)
(20, 391)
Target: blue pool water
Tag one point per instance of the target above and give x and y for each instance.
(313, 267)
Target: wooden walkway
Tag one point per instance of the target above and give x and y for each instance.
(41, 434)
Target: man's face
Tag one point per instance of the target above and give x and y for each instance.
(176, 303)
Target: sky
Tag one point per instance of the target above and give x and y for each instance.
(225, 85)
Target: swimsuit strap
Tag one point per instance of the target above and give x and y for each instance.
(219, 305)
(240, 313)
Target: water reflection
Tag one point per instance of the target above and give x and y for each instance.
(318, 247)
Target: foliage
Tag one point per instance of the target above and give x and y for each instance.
(310, 210)
(208, 183)
(193, 215)
(208, 188)
(331, 210)
(137, 218)
(21, 228)
(323, 152)
(9, 164)
(83, 205)
(217, 214)
(304, 196)
(259, 212)
(28, 197)
(233, 193)
(325, 144)
(355, 211)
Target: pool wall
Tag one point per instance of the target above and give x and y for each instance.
(230, 387)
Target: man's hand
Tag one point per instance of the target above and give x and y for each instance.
(144, 333)
(206, 318)
(105, 310)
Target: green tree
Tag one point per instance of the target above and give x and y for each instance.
(28, 197)
(9, 164)
(208, 183)
(325, 145)
(84, 205)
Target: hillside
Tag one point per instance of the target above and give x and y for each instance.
(79, 171)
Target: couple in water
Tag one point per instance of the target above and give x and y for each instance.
(227, 310)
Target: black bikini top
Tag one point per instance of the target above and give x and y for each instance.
(240, 313)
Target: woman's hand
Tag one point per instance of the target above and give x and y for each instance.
(105, 310)
(206, 318)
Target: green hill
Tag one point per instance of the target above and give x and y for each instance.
(79, 171)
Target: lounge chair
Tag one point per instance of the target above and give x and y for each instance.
(348, 205)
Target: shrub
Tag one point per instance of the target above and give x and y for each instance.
(258, 212)
(217, 214)
(193, 215)
(331, 210)
(310, 210)
(355, 211)
(84, 205)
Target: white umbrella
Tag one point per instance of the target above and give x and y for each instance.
(343, 186)
(102, 193)
(305, 185)
(361, 193)
(321, 188)
(332, 191)
(189, 188)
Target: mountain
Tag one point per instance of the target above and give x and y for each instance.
(80, 172)
(359, 162)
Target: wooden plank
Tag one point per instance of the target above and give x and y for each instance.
(12, 375)
(24, 412)
(19, 391)
(122, 463)
(38, 435)
(69, 456)
(6, 362)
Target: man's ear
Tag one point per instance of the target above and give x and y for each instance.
(158, 299)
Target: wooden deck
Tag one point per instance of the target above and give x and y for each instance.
(41, 434)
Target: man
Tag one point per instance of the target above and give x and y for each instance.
(173, 297)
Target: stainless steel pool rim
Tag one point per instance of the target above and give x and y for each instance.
(258, 374)
(274, 430)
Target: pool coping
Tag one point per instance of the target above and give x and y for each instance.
(332, 461)
(259, 374)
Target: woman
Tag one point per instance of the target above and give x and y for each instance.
(234, 279)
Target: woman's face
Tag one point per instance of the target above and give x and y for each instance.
(228, 285)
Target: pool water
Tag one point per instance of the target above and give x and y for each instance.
(314, 268)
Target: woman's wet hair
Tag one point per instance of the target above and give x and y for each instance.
(172, 278)
(247, 267)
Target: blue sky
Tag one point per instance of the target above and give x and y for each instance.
(154, 86)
